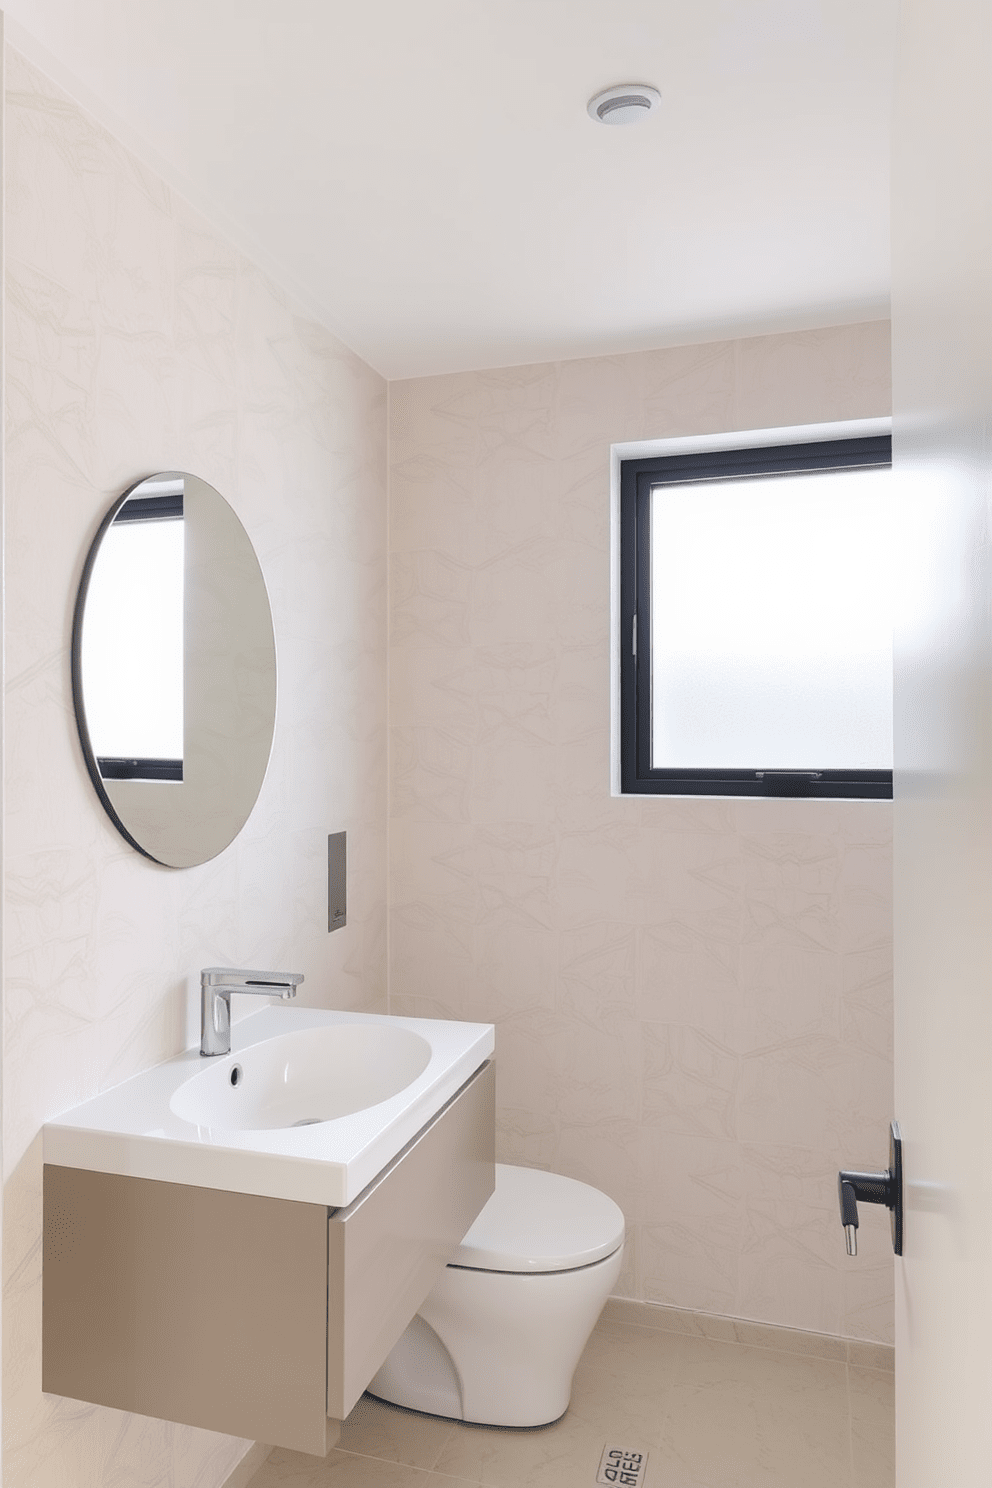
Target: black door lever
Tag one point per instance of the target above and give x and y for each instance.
(873, 1188)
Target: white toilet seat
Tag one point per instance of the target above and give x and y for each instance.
(539, 1222)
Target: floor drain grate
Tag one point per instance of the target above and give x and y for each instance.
(623, 1466)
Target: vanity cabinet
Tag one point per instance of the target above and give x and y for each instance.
(259, 1317)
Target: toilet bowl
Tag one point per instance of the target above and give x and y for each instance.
(498, 1338)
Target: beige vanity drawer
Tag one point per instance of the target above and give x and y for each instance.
(189, 1304)
(386, 1250)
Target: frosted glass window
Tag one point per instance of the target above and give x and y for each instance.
(771, 628)
(132, 642)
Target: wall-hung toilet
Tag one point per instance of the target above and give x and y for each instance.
(498, 1339)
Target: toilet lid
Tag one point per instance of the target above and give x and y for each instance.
(537, 1221)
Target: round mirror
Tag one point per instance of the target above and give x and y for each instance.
(174, 669)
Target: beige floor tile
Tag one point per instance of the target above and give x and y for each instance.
(752, 1418)
(873, 1428)
(442, 1480)
(337, 1470)
(377, 1430)
(561, 1456)
(625, 1352)
(567, 1454)
(710, 1413)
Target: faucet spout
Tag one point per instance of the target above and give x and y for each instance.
(216, 985)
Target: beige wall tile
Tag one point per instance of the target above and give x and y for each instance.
(719, 969)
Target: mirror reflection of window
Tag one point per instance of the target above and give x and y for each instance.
(132, 642)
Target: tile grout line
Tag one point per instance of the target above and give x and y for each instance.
(790, 1353)
(428, 1472)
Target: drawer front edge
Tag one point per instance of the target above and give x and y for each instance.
(386, 1250)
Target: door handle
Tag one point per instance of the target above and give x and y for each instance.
(873, 1188)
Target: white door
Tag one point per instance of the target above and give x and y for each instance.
(942, 394)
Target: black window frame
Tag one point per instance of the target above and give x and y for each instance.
(637, 477)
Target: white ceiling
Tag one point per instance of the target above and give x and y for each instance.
(424, 175)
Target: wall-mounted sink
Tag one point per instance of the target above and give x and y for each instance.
(310, 1105)
(238, 1241)
(304, 1078)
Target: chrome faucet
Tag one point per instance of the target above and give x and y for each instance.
(216, 985)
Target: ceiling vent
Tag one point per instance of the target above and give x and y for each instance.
(627, 103)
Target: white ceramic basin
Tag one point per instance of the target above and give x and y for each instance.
(364, 1084)
(304, 1078)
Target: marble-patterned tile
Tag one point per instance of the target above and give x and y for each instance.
(622, 1356)
(432, 956)
(691, 1264)
(432, 773)
(713, 1401)
(689, 389)
(756, 1417)
(434, 686)
(206, 297)
(525, 1134)
(512, 780)
(427, 414)
(596, 971)
(523, 900)
(430, 600)
(864, 894)
(797, 1088)
(598, 400)
(866, 1288)
(548, 1061)
(873, 1428)
(788, 992)
(866, 1000)
(562, 1454)
(692, 1178)
(599, 876)
(688, 973)
(338, 1469)
(800, 1177)
(431, 501)
(514, 684)
(862, 1122)
(789, 1264)
(690, 1082)
(693, 871)
(385, 1432)
(515, 963)
(792, 918)
(794, 378)
(605, 1155)
(438, 858)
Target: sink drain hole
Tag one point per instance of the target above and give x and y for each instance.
(236, 1074)
(309, 1121)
